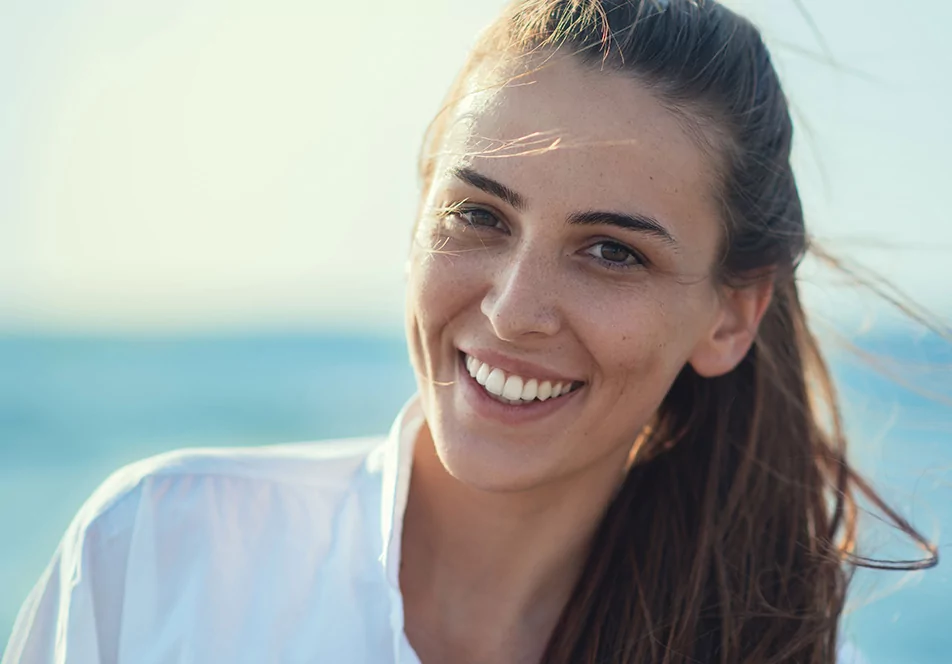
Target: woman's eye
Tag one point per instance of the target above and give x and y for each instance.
(477, 217)
(615, 255)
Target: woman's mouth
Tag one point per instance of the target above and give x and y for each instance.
(515, 390)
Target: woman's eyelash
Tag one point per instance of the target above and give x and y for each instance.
(466, 214)
(630, 259)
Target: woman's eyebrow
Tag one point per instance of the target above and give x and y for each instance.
(490, 186)
(630, 222)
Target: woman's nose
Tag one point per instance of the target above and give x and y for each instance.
(523, 299)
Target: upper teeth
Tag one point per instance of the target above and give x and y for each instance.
(511, 386)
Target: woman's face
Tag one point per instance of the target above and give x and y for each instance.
(584, 270)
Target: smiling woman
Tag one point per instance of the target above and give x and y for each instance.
(625, 445)
(552, 267)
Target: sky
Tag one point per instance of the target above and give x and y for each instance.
(214, 165)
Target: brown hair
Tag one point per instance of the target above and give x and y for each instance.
(735, 543)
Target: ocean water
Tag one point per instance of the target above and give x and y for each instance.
(74, 409)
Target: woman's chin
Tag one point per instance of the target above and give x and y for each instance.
(490, 463)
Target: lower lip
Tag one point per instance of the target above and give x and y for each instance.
(486, 406)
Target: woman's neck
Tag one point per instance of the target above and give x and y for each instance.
(485, 575)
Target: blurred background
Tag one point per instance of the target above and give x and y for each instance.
(204, 217)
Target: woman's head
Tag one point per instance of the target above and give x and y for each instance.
(609, 207)
(595, 263)
(654, 205)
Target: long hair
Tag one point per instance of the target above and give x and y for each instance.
(735, 542)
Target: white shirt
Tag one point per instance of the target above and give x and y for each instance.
(279, 554)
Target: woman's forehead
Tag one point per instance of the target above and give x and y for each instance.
(573, 137)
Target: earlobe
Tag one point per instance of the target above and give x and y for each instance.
(734, 331)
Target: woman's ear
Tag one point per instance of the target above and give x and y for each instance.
(734, 330)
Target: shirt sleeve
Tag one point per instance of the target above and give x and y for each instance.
(73, 615)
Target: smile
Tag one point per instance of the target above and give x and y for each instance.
(513, 389)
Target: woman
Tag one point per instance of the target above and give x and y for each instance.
(625, 445)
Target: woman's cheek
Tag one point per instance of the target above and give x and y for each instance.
(442, 283)
(634, 332)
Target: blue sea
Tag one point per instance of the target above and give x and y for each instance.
(74, 409)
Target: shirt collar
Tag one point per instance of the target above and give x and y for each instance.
(397, 465)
